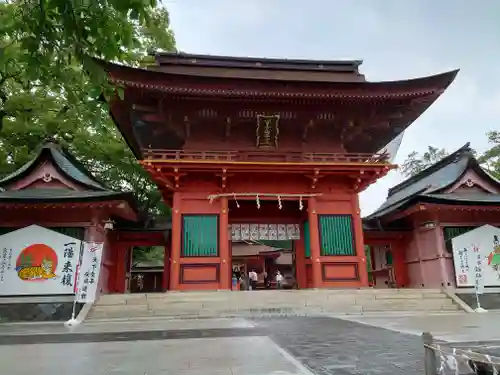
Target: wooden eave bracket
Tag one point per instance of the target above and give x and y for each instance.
(157, 174)
(177, 177)
(305, 133)
(228, 127)
(224, 177)
(366, 179)
(187, 127)
(315, 177)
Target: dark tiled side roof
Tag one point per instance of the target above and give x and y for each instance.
(64, 161)
(60, 195)
(428, 183)
(465, 150)
(468, 198)
(34, 196)
(69, 164)
(179, 58)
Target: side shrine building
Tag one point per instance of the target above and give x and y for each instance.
(265, 149)
(55, 191)
(410, 237)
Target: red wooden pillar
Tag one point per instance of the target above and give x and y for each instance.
(175, 250)
(359, 243)
(399, 263)
(373, 265)
(300, 261)
(224, 251)
(120, 269)
(317, 279)
(109, 263)
(166, 265)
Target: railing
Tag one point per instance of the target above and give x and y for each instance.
(446, 359)
(264, 156)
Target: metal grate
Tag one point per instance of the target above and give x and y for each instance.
(336, 235)
(200, 235)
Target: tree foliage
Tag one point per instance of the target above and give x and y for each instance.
(416, 163)
(490, 159)
(150, 254)
(50, 85)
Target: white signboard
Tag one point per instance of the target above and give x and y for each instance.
(37, 261)
(88, 272)
(476, 257)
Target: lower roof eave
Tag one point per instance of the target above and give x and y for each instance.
(387, 238)
(437, 204)
(269, 167)
(115, 202)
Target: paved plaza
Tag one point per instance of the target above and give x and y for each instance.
(261, 346)
(457, 327)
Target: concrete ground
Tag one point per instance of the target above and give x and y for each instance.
(222, 356)
(261, 346)
(457, 327)
(123, 326)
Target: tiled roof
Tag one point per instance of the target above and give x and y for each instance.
(231, 92)
(427, 184)
(67, 164)
(61, 195)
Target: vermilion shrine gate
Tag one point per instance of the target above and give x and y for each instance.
(264, 149)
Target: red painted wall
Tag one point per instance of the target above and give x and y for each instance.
(211, 273)
(211, 137)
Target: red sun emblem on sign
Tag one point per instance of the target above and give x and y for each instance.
(36, 262)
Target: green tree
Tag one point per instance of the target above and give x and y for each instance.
(491, 158)
(416, 163)
(50, 86)
(153, 254)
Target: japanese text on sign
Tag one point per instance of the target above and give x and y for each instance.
(67, 270)
(89, 272)
(5, 262)
(478, 270)
(476, 257)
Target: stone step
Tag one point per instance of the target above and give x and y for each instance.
(124, 314)
(269, 302)
(272, 294)
(280, 295)
(408, 306)
(113, 308)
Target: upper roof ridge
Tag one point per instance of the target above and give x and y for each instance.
(63, 160)
(464, 151)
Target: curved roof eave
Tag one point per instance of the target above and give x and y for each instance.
(63, 161)
(139, 74)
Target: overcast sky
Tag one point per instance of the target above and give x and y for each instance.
(396, 40)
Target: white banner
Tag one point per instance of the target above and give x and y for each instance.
(476, 257)
(37, 261)
(88, 272)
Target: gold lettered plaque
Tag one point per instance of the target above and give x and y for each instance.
(267, 131)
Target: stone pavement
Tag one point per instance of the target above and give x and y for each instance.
(123, 326)
(330, 346)
(263, 346)
(27, 333)
(295, 345)
(457, 327)
(222, 356)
